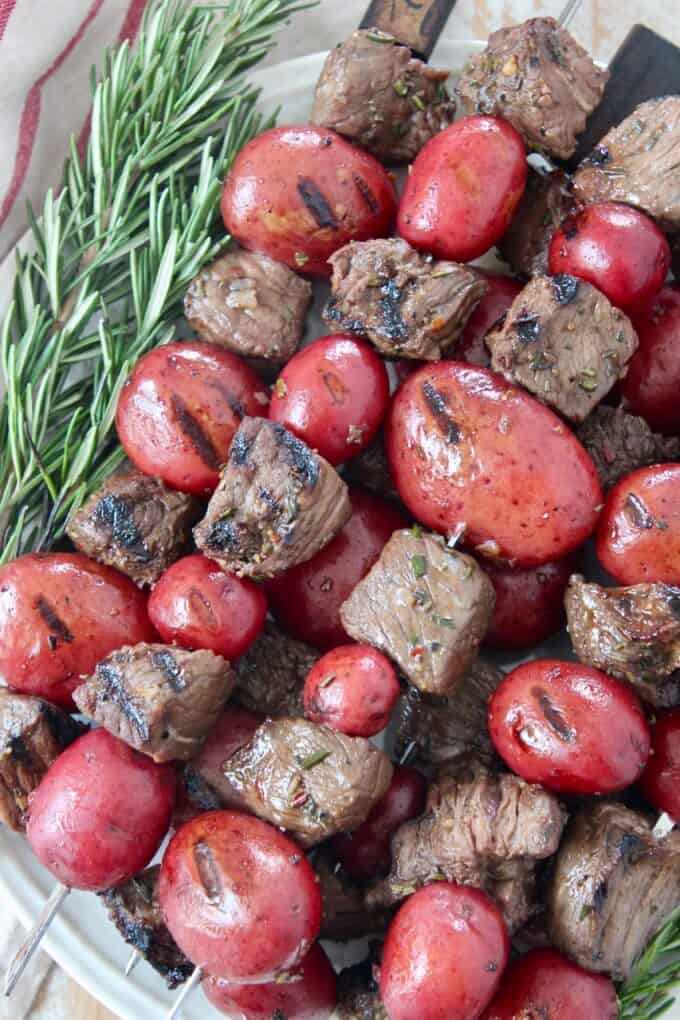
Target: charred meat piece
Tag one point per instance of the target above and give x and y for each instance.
(371, 470)
(309, 779)
(482, 829)
(277, 504)
(133, 908)
(33, 734)
(271, 674)
(345, 914)
(613, 885)
(546, 203)
(159, 699)
(249, 305)
(564, 342)
(359, 992)
(618, 443)
(424, 605)
(632, 633)
(637, 163)
(431, 731)
(375, 92)
(538, 77)
(135, 523)
(407, 304)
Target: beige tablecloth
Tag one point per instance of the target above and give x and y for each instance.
(46, 50)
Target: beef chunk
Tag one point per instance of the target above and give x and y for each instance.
(33, 734)
(637, 163)
(613, 885)
(547, 201)
(433, 730)
(345, 914)
(632, 633)
(619, 443)
(359, 992)
(134, 910)
(309, 779)
(159, 699)
(407, 304)
(481, 829)
(136, 524)
(424, 605)
(564, 342)
(271, 674)
(371, 469)
(538, 77)
(249, 305)
(277, 503)
(375, 92)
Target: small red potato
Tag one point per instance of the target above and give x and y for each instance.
(352, 689)
(652, 382)
(529, 602)
(660, 782)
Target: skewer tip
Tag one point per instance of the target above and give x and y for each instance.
(32, 941)
(185, 993)
(134, 959)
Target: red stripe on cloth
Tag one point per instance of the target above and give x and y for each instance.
(30, 115)
(6, 8)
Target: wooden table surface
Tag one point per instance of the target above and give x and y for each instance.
(600, 25)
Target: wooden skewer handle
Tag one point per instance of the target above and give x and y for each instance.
(416, 23)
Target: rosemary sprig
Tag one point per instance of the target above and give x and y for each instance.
(646, 993)
(113, 251)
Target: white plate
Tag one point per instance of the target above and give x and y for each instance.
(82, 939)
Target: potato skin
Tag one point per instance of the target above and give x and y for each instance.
(529, 602)
(468, 449)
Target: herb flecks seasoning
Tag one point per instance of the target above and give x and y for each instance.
(314, 759)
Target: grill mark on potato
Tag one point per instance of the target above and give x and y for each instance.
(58, 629)
(113, 690)
(316, 203)
(117, 515)
(193, 430)
(436, 401)
(393, 323)
(553, 715)
(166, 662)
(233, 403)
(208, 871)
(366, 193)
(637, 513)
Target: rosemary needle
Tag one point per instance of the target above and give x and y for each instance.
(648, 992)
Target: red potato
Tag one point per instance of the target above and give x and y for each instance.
(197, 605)
(569, 727)
(501, 293)
(310, 994)
(306, 600)
(180, 408)
(240, 899)
(333, 395)
(100, 812)
(660, 782)
(469, 450)
(463, 189)
(444, 955)
(546, 984)
(638, 537)
(366, 852)
(652, 382)
(299, 193)
(529, 602)
(60, 614)
(352, 689)
(618, 249)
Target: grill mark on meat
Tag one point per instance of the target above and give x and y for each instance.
(208, 872)
(117, 515)
(59, 630)
(223, 535)
(298, 455)
(390, 309)
(637, 513)
(115, 691)
(366, 193)
(316, 203)
(332, 312)
(630, 846)
(528, 327)
(193, 430)
(173, 673)
(599, 156)
(565, 288)
(240, 449)
(436, 401)
(600, 897)
(20, 752)
(553, 715)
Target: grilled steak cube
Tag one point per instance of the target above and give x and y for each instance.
(371, 470)
(309, 779)
(345, 914)
(637, 163)
(159, 699)
(618, 443)
(271, 674)
(632, 633)
(433, 730)
(250, 305)
(375, 92)
(33, 733)
(277, 504)
(481, 829)
(359, 992)
(547, 201)
(424, 605)
(407, 304)
(538, 77)
(133, 908)
(613, 885)
(135, 523)
(564, 342)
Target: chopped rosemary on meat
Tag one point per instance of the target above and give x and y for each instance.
(280, 388)
(314, 759)
(648, 992)
(419, 566)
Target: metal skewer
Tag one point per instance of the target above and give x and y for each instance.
(568, 12)
(34, 937)
(184, 994)
(133, 961)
